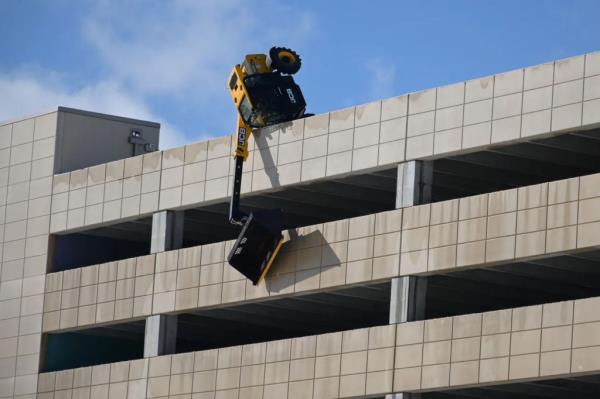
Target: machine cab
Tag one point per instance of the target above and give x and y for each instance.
(265, 95)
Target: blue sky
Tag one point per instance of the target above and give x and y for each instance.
(169, 61)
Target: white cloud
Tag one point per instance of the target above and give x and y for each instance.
(25, 93)
(185, 47)
(166, 51)
(382, 77)
(159, 57)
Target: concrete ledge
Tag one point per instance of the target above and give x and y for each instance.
(516, 106)
(542, 220)
(555, 340)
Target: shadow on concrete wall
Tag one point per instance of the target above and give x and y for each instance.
(262, 138)
(289, 249)
(295, 259)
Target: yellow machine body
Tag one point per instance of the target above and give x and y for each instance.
(253, 64)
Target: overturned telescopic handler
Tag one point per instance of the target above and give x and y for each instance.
(264, 94)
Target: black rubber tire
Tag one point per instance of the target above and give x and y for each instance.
(284, 60)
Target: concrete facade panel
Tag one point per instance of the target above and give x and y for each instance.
(449, 235)
(428, 356)
(508, 107)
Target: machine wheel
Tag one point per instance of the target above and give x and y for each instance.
(284, 60)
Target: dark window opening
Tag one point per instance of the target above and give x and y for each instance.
(92, 346)
(581, 387)
(318, 313)
(521, 164)
(302, 205)
(102, 244)
(515, 284)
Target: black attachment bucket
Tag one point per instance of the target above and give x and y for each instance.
(257, 245)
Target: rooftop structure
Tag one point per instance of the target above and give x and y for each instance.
(440, 244)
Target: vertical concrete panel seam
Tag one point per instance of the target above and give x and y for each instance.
(399, 184)
(372, 235)
(378, 131)
(510, 342)
(450, 354)
(422, 354)
(59, 143)
(515, 234)
(522, 93)
(462, 117)
(84, 188)
(399, 248)
(14, 371)
(552, 95)
(229, 158)
(456, 228)
(302, 164)
(265, 362)
(521, 113)
(347, 244)
(153, 287)
(4, 210)
(170, 373)
(480, 347)
(487, 217)
(276, 165)
(491, 133)
(434, 132)
(405, 127)
(428, 226)
(152, 284)
(327, 145)
(577, 224)
(539, 349)
(222, 273)
(160, 173)
(547, 185)
(367, 365)
(29, 177)
(351, 141)
(393, 352)
(56, 137)
(240, 367)
(134, 286)
(572, 336)
(583, 90)
(179, 257)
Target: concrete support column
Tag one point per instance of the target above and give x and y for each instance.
(403, 396)
(415, 180)
(167, 231)
(161, 335)
(407, 301)
(161, 330)
(408, 293)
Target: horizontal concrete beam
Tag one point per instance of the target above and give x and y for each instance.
(540, 221)
(511, 107)
(535, 343)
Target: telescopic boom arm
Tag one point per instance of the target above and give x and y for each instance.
(236, 216)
